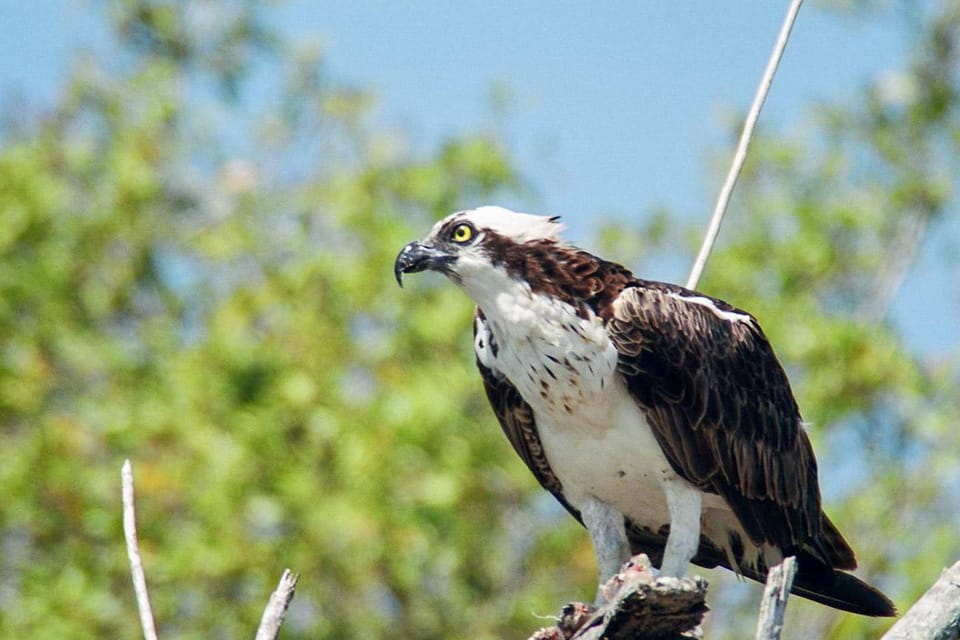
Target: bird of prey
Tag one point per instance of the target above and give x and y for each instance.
(658, 416)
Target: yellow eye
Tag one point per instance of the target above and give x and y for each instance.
(462, 233)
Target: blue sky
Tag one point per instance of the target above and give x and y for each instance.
(616, 107)
(616, 102)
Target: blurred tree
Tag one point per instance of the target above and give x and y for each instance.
(206, 288)
(230, 323)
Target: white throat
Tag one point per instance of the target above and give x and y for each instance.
(559, 361)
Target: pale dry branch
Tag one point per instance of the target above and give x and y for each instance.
(935, 616)
(273, 614)
(773, 605)
(741, 154)
(133, 552)
(276, 609)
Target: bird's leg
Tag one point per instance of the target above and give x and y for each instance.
(609, 537)
(683, 504)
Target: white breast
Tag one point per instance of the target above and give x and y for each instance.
(617, 461)
(594, 435)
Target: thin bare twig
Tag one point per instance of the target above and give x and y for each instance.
(741, 154)
(133, 551)
(276, 609)
(773, 606)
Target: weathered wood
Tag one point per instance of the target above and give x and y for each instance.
(276, 609)
(935, 616)
(638, 605)
(773, 605)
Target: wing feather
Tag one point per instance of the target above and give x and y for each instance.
(723, 412)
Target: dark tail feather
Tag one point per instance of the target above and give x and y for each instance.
(839, 590)
(838, 552)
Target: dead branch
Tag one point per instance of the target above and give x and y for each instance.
(936, 615)
(133, 552)
(276, 609)
(773, 605)
(637, 606)
(740, 156)
(273, 614)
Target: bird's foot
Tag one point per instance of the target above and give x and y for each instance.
(636, 569)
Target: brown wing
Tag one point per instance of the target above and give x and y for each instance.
(723, 412)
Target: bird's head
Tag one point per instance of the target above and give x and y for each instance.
(469, 246)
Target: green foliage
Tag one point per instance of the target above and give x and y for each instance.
(229, 322)
(246, 347)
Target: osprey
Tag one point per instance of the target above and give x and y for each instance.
(658, 416)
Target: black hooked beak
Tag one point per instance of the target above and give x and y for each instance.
(418, 256)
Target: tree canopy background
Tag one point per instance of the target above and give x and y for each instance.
(229, 322)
